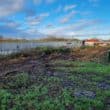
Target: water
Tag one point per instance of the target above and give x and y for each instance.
(7, 48)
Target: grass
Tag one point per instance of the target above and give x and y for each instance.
(83, 67)
(50, 50)
(19, 80)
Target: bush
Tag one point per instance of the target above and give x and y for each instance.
(19, 80)
(4, 99)
(50, 50)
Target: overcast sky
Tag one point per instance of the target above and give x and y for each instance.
(68, 18)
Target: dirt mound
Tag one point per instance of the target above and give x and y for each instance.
(91, 53)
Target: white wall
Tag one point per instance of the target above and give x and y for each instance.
(89, 43)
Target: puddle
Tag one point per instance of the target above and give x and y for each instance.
(104, 85)
(84, 93)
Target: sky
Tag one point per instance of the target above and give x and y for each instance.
(34, 19)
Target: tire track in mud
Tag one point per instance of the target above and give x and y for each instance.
(28, 65)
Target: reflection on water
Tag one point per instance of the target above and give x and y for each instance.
(7, 48)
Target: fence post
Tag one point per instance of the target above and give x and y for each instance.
(109, 56)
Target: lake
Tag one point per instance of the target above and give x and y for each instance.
(7, 48)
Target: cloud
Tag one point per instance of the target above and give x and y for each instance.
(11, 28)
(33, 32)
(49, 26)
(72, 29)
(35, 20)
(8, 7)
(69, 7)
(15, 31)
(37, 1)
(94, 2)
(43, 15)
(13, 24)
(43, 1)
(28, 27)
(9, 23)
(29, 11)
(10, 31)
(68, 17)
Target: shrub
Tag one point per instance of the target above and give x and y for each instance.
(19, 80)
(4, 99)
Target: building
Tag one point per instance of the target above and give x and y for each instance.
(91, 42)
(102, 44)
(95, 42)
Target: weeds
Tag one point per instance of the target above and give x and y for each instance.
(51, 50)
(57, 90)
(19, 80)
(5, 97)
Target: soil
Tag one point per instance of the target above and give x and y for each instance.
(32, 62)
(38, 66)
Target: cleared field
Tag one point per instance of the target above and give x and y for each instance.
(56, 83)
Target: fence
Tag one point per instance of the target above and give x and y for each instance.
(8, 48)
(105, 57)
(7, 52)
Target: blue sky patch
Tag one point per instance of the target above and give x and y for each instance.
(67, 18)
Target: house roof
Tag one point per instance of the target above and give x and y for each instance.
(92, 40)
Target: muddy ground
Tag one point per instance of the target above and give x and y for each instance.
(32, 61)
(43, 70)
(29, 64)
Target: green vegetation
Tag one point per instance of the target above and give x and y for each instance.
(83, 67)
(58, 92)
(19, 80)
(36, 51)
(50, 50)
(66, 85)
